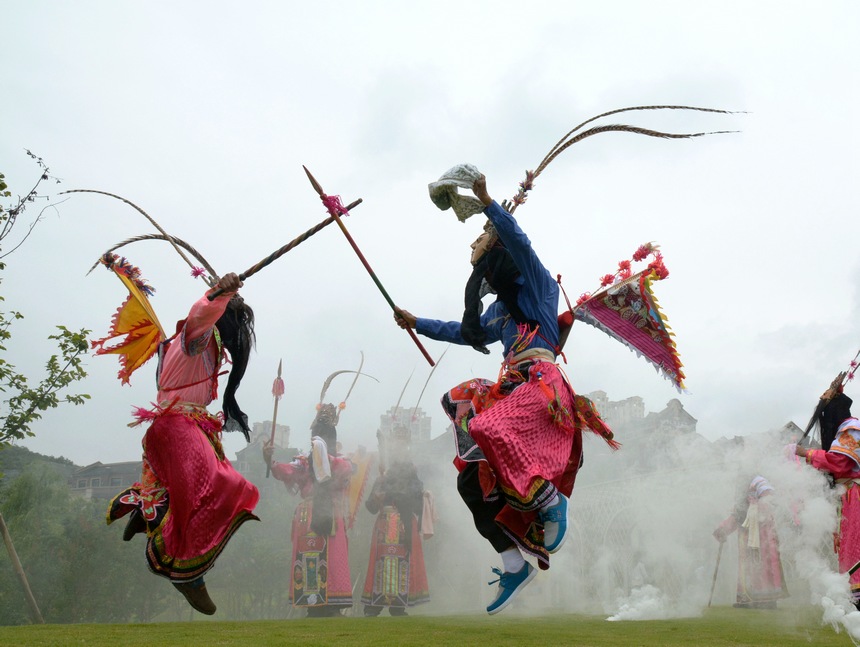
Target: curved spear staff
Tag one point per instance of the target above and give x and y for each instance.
(335, 209)
(426, 382)
(355, 379)
(179, 244)
(403, 390)
(172, 239)
(574, 136)
(331, 377)
(334, 375)
(211, 280)
(380, 437)
(278, 392)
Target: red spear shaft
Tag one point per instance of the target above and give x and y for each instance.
(333, 210)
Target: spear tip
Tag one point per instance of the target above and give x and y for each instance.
(280, 365)
(314, 183)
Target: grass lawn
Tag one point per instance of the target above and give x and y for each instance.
(719, 626)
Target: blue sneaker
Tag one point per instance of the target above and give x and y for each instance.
(554, 521)
(509, 585)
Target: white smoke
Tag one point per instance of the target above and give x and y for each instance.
(644, 603)
(641, 545)
(677, 527)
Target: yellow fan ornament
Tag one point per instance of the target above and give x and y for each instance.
(135, 329)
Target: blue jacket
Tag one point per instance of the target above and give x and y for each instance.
(538, 296)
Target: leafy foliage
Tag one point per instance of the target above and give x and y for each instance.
(23, 403)
(77, 566)
(80, 570)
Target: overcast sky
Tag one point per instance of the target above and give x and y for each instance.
(203, 113)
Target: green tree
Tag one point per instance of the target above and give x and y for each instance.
(76, 565)
(23, 403)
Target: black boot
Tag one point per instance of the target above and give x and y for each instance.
(197, 595)
(135, 525)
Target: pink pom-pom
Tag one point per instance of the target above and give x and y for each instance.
(658, 266)
(334, 206)
(642, 253)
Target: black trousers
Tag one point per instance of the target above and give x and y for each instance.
(483, 512)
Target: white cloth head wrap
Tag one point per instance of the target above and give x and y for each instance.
(444, 193)
(759, 486)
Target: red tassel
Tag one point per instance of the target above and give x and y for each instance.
(278, 388)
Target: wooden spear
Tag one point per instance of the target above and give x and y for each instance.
(35, 614)
(333, 210)
(283, 250)
(277, 392)
(716, 569)
(167, 236)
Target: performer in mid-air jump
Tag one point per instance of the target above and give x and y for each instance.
(190, 500)
(519, 440)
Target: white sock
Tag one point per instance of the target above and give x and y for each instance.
(512, 559)
(550, 503)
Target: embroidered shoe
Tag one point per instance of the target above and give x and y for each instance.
(197, 595)
(554, 521)
(509, 585)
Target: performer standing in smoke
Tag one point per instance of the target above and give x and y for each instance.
(190, 499)
(396, 576)
(760, 578)
(519, 440)
(839, 457)
(320, 579)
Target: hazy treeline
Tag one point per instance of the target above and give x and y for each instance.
(80, 570)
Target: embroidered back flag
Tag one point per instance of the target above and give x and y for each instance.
(628, 311)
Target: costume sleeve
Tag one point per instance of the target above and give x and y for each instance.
(728, 525)
(840, 465)
(201, 319)
(290, 473)
(439, 330)
(450, 330)
(342, 469)
(519, 246)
